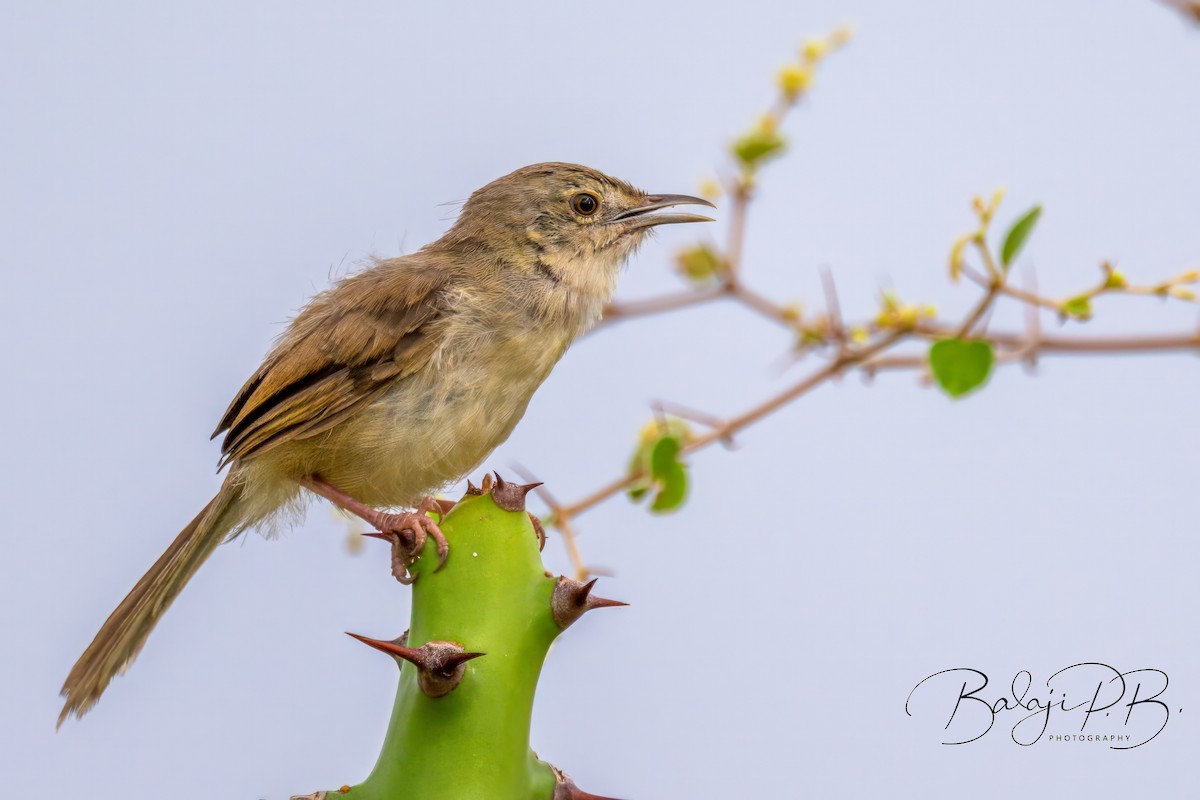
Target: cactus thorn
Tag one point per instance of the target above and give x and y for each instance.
(572, 599)
(472, 488)
(440, 665)
(511, 496)
(538, 529)
(486, 488)
(382, 645)
(565, 788)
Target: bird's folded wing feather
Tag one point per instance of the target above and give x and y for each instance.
(347, 345)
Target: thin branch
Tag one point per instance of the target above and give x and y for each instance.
(737, 229)
(687, 412)
(835, 340)
(615, 312)
(757, 302)
(729, 289)
(981, 308)
(1098, 345)
(833, 308)
(1033, 323)
(1190, 8)
(741, 421)
(1019, 343)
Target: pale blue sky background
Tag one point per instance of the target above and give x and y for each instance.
(178, 177)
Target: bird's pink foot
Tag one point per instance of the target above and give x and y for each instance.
(406, 531)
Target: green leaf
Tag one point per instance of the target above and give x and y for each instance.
(664, 456)
(667, 471)
(673, 491)
(1014, 240)
(1077, 307)
(656, 462)
(960, 366)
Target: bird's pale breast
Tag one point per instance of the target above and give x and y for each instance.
(436, 426)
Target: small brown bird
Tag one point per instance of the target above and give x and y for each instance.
(403, 378)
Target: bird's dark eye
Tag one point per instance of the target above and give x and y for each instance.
(585, 204)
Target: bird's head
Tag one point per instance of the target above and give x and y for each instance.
(564, 223)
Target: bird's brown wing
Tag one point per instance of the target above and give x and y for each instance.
(347, 345)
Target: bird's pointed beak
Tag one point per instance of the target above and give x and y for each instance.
(642, 216)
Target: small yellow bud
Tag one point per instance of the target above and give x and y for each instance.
(1077, 307)
(997, 196)
(700, 263)
(794, 80)
(650, 433)
(793, 314)
(659, 427)
(858, 335)
(929, 312)
(1115, 280)
(841, 36)
(956, 255)
(760, 143)
(993, 204)
(1183, 294)
(814, 49)
(985, 211)
(810, 337)
(710, 189)
(1191, 276)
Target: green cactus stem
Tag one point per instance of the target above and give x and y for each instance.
(469, 665)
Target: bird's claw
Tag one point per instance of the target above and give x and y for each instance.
(407, 532)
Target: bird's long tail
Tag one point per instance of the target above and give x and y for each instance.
(125, 631)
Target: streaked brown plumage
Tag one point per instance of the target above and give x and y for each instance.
(404, 377)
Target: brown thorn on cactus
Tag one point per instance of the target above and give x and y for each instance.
(440, 665)
(472, 488)
(511, 496)
(486, 488)
(572, 599)
(382, 645)
(565, 788)
(537, 526)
